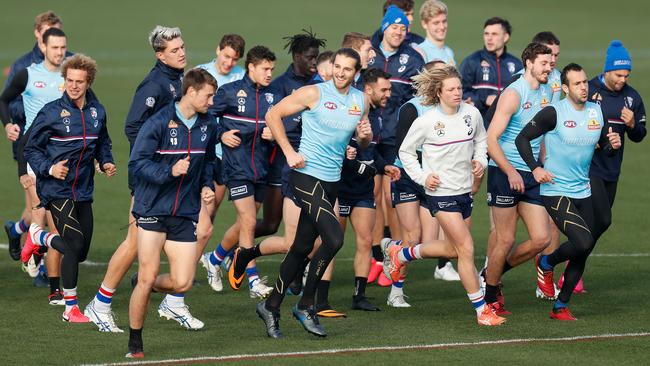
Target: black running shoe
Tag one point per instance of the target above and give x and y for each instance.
(309, 320)
(14, 241)
(271, 320)
(362, 303)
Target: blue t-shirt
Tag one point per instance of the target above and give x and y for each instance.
(433, 52)
(327, 129)
(187, 122)
(43, 86)
(569, 149)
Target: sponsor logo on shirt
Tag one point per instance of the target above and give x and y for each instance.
(447, 204)
(555, 86)
(505, 200)
(527, 105)
(40, 84)
(593, 124)
(543, 102)
(64, 113)
(172, 124)
(147, 220)
(570, 124)
(330, 105)
(241, 94)
(354, 110)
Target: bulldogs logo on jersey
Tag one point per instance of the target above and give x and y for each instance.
(173, 90)
(204, 128)
(468, 120)
(93, 112)
(403, 59)
(269, 97)
(149, 102)
(511, 67)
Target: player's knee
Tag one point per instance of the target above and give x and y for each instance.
(540, 242)
(204, 234)
(182, 285)
(465, 249)
(146, 280)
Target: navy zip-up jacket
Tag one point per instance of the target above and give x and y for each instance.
(284, 85)
(484, 74)
(162, 141)
(611, 103)
(402, 65)
(62, 131)
(242, 105)
(159, 88)
(412, 39)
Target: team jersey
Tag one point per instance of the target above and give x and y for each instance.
(449, 144)
(552, 88)
(433, 52)
(327, 129)
(569, 149)
(43, 86)
(530, 102)
(236, 73)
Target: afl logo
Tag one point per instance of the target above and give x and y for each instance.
(330, 105)
(527, 105)
(570, 124)
(39, 84)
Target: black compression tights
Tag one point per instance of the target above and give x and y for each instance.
(317, 217)
(74, 222)
(574, 218)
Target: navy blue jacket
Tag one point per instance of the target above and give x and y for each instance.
(284, 85)
(484, 74)
(411, 38)
(62, 131)
(611, 103)
(159, 88)
(162, 141)
(241, 105)
(402, 65)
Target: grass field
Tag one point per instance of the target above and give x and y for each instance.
(115, 34)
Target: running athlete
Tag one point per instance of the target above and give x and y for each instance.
(453, 142)
(331, 112)
(36, 86)
(241, 106)
(159, 88)
(433, 14)
(572, 129)
(173, 158)
(512, 189)
(65, 139)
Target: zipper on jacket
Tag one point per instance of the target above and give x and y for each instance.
(257, 90)
(189, 153)
(498, 76)
(83, 149)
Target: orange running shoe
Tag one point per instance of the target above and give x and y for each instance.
(375, 270)
(562, 314)
(384, 281)
(235, 282)
(74, 315)
(488, 317)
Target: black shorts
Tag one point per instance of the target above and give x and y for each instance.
(462, 203)
(238, 189)
(406, 190)
(177, 228)
(217, 174)
(347, 205)
(499, 193)
(277, 161)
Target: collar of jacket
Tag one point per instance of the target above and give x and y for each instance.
(91, 98)
(493, 56)
(168, 70)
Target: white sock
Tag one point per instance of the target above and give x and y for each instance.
(478, 301)
(175, 300)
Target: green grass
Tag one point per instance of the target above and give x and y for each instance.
(115, 33)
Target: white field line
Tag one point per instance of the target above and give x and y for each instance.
(278, 259)
(334, 351)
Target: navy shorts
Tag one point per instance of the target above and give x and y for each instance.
(347, 205)
(277, 161)
(217, 174)
(499, 193)
(462, 203)
(177, 228)
(238, 189)
(406, 190)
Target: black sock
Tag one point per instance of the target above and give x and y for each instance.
(360, 287)
(322, 292)
(377, 253)
(442, 262)
(491, 293)
(506, 267)
(54, 284)
(135, 339)
(387, 232)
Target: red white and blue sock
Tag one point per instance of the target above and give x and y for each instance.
(70, 297)
(251, 273)
(103, 299)
(409, 254)
(18, 228)
(43, 238)
(175, 300)
(217, 256)
(478, 301)
(398, 286)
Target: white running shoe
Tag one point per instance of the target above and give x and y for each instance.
(397, 301)
(385, 245)
(446, 273)
(32, 266)
(104, 321)
(214, 273)
(260, 290)
(181, 315)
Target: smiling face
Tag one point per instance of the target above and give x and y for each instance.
(227, 58)
(55, 50)
(394, 35)
(343, 71)
(540, 69)
(379, 92)
(76, 83)
(436, 27)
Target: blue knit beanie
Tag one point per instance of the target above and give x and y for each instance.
(394, 15)
(617, 57)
